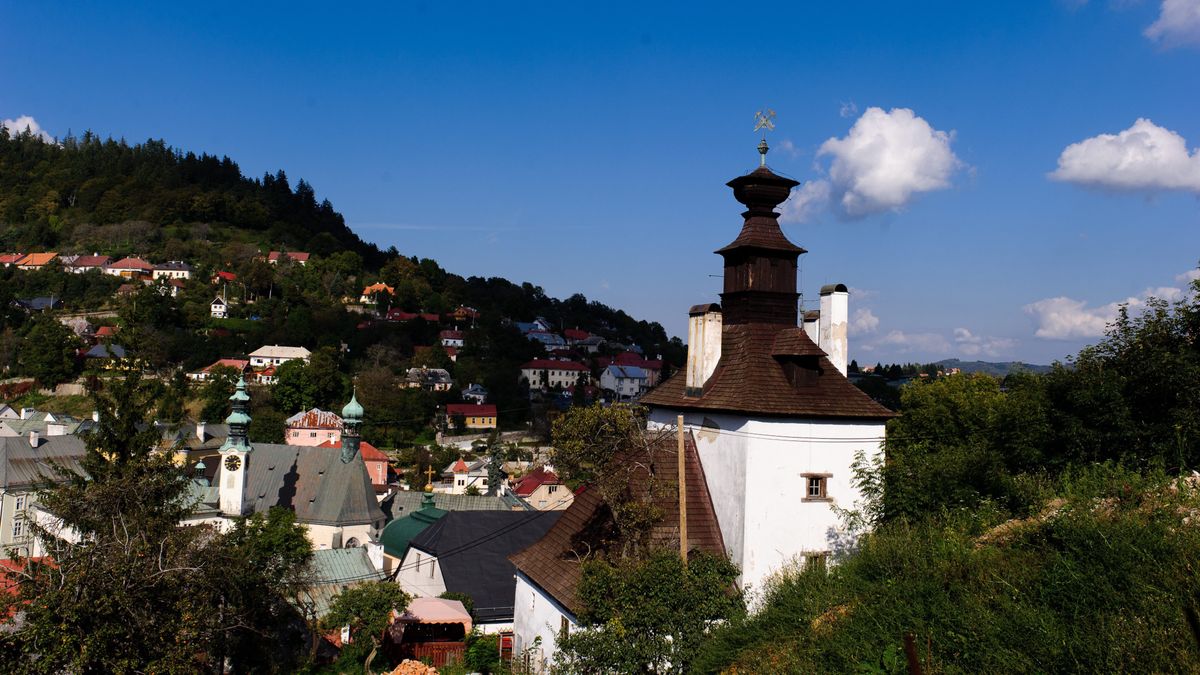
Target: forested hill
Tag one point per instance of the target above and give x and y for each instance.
(86, 194)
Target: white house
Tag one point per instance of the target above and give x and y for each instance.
(542, 373)
(219, 309)
(274, 355)
(628, 382)
(175, 269)
(451, 338)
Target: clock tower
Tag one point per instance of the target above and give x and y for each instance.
(234, 453)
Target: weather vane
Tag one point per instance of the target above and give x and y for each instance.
(766, 122)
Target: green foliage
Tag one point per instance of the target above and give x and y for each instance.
(316, 384)
(1095, 581)
(366, 609)
(465, 599)
(47, 352)
(216, 392)
(651, 615)
(483, 654)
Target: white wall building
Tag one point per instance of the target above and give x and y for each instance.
(274, 355)
(218, 309)
(550, 373)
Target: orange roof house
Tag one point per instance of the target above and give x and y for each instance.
(35, 261)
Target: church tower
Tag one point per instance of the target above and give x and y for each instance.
(776, 422)
(352, 416)
(235, 453)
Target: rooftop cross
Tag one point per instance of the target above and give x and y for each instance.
(766, 122)
(429, 477)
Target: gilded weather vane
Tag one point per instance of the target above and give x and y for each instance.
(766, 122)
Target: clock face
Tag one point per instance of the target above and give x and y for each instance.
(233, 463)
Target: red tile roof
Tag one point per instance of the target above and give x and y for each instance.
(369, 452)
(752, 378)
(225, 276)
(275, 256)
(550, 364)
(10, 258)
(131, 264)
(379, 288)
(106, 331)
(471, 409)
(237, 364)
(576, 334)
(535, 479)
(459, 467)
(89, 261)
(451, 335)
(37, 259)
(553, 563)
(314, 419)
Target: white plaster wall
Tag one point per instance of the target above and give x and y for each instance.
(537, 615)
(754, 469)
(424, 581)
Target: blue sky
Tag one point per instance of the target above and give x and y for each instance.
(586, 149)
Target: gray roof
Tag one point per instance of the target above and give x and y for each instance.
(185, 435)
(312, 481)
(405, 502)
(103, 351)
(626, 372)
(335, 570)
(473, 550)
(22, 465)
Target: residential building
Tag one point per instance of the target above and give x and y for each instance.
(242, 366)
(295, 256)
(473, 416)
(768, 404)
(25, 461)
(276, 355)
(538, 324)
(652, 367)
(86, 263)
(80, 326)
(461, 476)
(222, 277)
(626, 382)
(429, 379)
(313, 427)
(374, 291)
(548, 573)
(10, 259)
(327, 488)
(266, 376)
(549, 340)
(436, 563)
(451, 338)
(130, 268)
(35, 261)
(464, 314)
(174, 269)
(542, 489)
(218, 309)
(574, 336)
(549, 374)
(475, 393)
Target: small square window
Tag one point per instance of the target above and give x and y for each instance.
(816, 487)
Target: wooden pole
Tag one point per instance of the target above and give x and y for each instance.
(683, 548)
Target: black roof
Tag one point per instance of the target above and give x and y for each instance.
(473, 547)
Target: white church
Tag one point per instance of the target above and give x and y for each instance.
(767, 406)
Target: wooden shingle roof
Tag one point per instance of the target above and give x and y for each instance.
(554, 563)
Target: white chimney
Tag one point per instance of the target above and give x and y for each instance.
(34, 439)
(811, 326)
(96, 416)
(200, 431)
(834, 322)
(704, 346)
(26, 413)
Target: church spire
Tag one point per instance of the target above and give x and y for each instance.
(239, 419)
(352, 416)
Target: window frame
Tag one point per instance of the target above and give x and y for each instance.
(822, 481)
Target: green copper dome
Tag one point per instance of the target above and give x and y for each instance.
(353, 409)
(401, 531)
(239, 393)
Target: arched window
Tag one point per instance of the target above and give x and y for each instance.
(352, 543)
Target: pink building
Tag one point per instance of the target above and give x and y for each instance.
(313, 427)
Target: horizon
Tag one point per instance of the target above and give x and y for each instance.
(967, 170)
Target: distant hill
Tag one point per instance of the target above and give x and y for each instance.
(996, 369)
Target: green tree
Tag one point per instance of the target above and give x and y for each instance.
(216, 393)
(48, 352)
(366, 609)
(651, 615)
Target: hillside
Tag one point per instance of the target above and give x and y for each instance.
(995, 369)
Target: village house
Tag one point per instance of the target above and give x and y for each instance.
(313, 427)
(461, 476)
(25, 461)
(547, 339)
(266, 376)
(10, 259)
(451, 338)
(472, 416)
(429, 379)
(547, 373)
(276, 355)
(436, 561)
(295, 256)
(464, 314)
(652, 367)
(370, 293)
(626, 382)
(475, 393)
(218, 309)
(241, 366)
(130, 268)
(86, 263)
(542, 490)
(35, 261)
(174, 269)
(222, 277)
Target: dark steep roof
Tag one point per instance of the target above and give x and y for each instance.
(554, 563)
(750, 379)
(312, 481)
(473, 548)
(23, 466)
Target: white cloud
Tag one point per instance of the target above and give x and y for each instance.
(1178, 23)
(863, 322)
(1188, 276)
(789, 147)
(861, 294)
(904, 343)
(1064, 318)
(886, 159)
(1143, 157)
(848, 109)
(24, 122)
(804, 202)
(970, 344)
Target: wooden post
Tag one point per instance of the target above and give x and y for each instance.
(683, 548)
